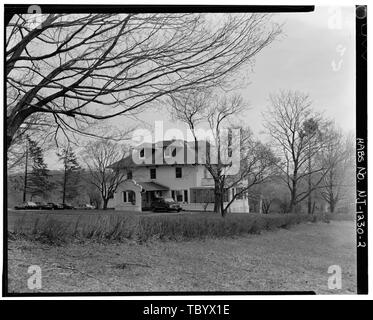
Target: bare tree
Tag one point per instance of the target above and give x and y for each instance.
(337, 158)
(71, 173)
(258, 164)
(98, 156)
(254, 159)
(311, 133)
(286, 122)
(78, 68)
(94, 196)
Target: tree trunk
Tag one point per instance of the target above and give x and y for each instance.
(64, 185)
(218, 201)
(260, 209)
(293, 195)
(309, 184)
(105, 202)
(222, 210)
(293, 191)
(332, 206)
(25, 179)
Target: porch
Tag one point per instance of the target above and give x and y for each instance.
(150, 191)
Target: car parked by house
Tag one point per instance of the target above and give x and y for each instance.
(86, 206)
(51, 206)
(44, 205)
(28, 205)
(165, 204)
(63, 206)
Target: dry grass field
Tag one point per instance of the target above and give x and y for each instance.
(294, 258)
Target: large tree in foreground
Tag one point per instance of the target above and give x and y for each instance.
(77, 68)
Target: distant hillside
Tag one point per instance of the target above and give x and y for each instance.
(16, 183)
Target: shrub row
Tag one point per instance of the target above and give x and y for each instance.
(145, 228)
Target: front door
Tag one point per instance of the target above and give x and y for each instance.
(147, 198)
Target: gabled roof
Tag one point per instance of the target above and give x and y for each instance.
(124, 163)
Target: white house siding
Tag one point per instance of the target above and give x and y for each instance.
(119, 204)
(193, 176)
(239, 205)
(197, 207)
(166, 176)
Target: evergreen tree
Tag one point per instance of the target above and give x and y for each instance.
(71, 174)
(37, 180)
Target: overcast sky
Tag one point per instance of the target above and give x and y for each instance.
(301, 60)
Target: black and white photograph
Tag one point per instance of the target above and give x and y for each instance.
(177, 150)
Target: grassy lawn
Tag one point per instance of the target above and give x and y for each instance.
(296, 258)
(61, 227)
(83, 215)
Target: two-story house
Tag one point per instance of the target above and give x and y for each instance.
(170, 169)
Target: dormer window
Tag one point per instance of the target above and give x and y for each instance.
(230, 151)
(142, 153)
(170, 152)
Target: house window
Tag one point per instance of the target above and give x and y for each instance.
(129, 174)
(240, 195)
(153, 173)
(129, 197)
(205, 195)
(178, 172)
(177, 195)
(142, 153)
(201, 195)
(174, 152)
